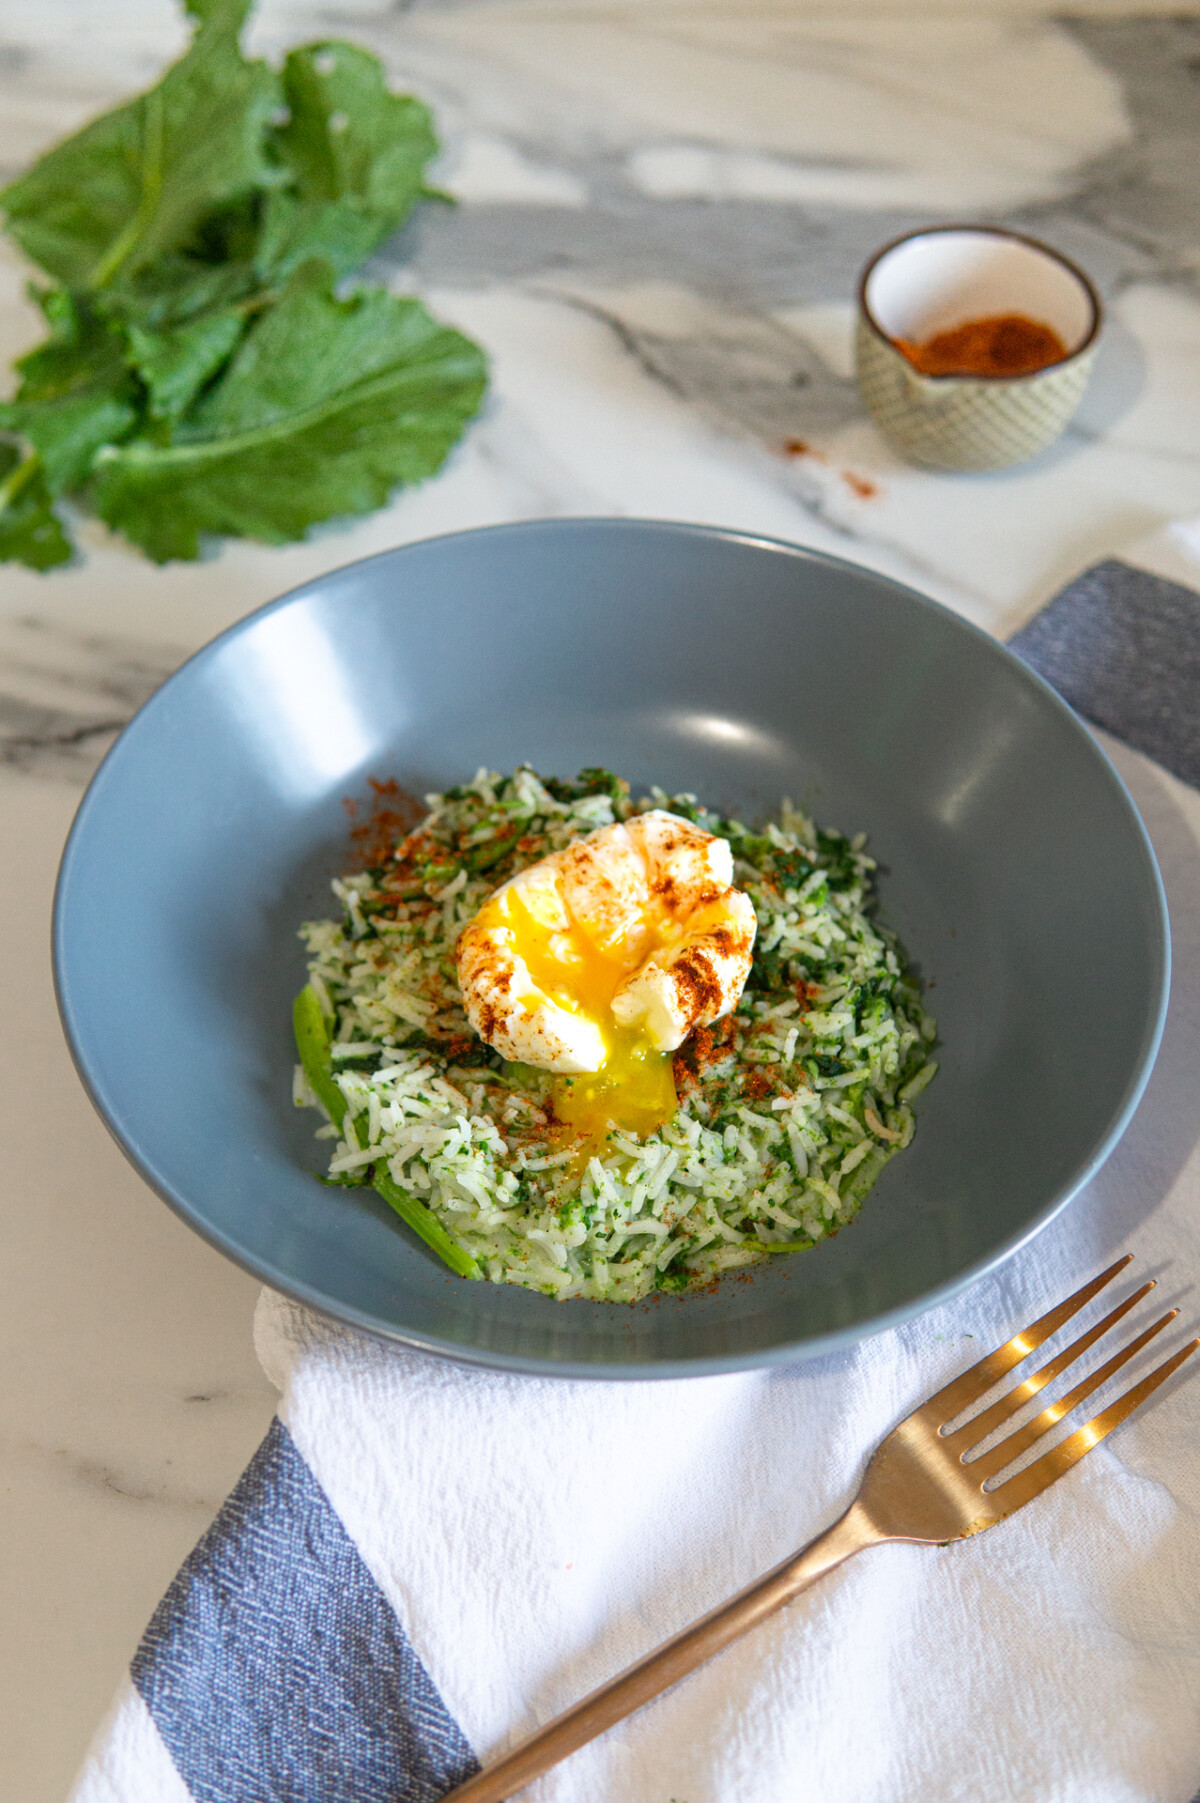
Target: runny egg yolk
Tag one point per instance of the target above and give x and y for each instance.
(634, 1089)
(596, 962)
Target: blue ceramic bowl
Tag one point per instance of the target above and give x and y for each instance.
(1015, 869)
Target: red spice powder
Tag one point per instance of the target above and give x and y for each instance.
(862, 486)
(800, 447)
(707, 1045)
(1003, 344)
(394, 813)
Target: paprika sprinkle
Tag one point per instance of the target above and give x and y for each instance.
(1003, 344)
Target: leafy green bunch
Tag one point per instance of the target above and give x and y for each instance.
(204, 371)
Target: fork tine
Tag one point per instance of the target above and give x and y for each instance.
(980, 1426)
(945, 1404)
(1041, 1474)
(1013, 1445)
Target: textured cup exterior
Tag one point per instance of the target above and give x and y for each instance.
(966, 422)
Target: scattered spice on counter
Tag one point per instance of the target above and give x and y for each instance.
(862, 486)
(1003, 344)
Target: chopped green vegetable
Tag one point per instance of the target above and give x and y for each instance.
(205, 372)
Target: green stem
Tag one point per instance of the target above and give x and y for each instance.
(312, 1043)
(20, 478)
(425, 1223)
(257, 302)
(233, 444)
(152, 180)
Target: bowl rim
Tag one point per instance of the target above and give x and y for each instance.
(983, 230)
(786, 1352)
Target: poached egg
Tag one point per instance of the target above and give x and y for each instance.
(597, 962)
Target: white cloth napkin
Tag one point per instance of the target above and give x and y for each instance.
(525, 1538)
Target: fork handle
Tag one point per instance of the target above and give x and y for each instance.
(659, 1670)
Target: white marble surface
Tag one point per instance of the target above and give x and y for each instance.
(663, 206)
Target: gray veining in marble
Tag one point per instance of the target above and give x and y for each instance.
(1137, 207)
(1132, 214)
(64, 696)
(1145, 195)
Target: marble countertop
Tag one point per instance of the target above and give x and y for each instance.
(663, 205)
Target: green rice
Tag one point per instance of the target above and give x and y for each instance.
(789, 1109)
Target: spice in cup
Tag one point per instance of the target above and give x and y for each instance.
(1004, 344)
(974, 345)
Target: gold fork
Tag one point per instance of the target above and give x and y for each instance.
(920, 1485)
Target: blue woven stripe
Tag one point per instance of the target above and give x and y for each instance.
(274, 1668)
(1123, 647)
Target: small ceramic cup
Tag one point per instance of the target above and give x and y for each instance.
(931, 281)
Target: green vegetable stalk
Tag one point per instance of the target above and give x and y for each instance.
(424, 1222)
(312, 1043)
(205, 371)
